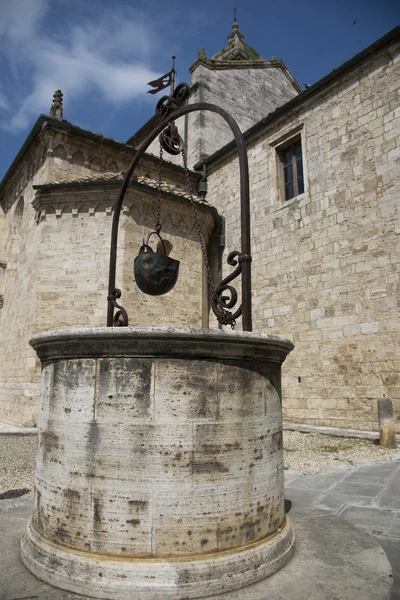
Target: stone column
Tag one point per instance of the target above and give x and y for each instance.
(160, 463)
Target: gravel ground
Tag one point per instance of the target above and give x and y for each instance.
(17, 462)
(314, 452)
(304, 452)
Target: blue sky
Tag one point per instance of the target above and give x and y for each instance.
(101, 53)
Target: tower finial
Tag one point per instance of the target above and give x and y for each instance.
(56, 110)
(234, 15)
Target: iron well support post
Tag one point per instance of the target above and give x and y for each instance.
(244, 259)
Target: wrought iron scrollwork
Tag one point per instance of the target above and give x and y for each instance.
(168, 104)
(241, 260)
(221, 304)
(120, 318)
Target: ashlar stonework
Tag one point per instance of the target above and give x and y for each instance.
(326, 262)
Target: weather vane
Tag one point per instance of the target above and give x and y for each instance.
(164, 81)
(234, 14)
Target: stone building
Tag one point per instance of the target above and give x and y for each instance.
(325, 198)
(58, 202)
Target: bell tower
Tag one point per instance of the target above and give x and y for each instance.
(241, 81)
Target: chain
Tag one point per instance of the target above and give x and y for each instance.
(224, 317)
(158, 214)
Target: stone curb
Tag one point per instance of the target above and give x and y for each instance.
(334, 431)
(7, 429)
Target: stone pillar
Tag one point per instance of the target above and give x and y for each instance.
(160, 463)
(387, 427)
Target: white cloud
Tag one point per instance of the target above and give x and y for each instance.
(4, 102)
(19, 19)
(108, 58)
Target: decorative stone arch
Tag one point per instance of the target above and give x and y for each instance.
(112, 167)
(14, 241)
(50, 210)
(78, 158)
(83, 208)
(95, 162)
(66, 210)
(43, 157)
(100, 208)
(60, 152)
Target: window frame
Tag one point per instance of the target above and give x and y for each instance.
(281, 151)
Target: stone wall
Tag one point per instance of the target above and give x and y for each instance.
(326, 263)
(2, 254)
(72, 156)
(248, 94)
(19, 368)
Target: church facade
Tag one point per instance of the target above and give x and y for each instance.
(325, 202)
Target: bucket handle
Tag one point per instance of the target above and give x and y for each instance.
(146, 244)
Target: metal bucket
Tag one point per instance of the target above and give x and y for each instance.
(155, 274)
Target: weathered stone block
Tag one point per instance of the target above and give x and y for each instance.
(387, 427)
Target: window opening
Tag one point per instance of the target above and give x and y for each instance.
(291, 158)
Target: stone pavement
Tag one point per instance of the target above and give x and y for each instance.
(367, 496)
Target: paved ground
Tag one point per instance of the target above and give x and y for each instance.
(368, 496)
(333, 560)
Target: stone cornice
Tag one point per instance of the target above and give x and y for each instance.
(100, 196)
(105, 179)
(160, 341)
(211, 63)
(46, 124)
(274, 63)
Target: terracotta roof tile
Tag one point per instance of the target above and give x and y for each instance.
(118, 177)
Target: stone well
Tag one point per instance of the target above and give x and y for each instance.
(159, 471)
